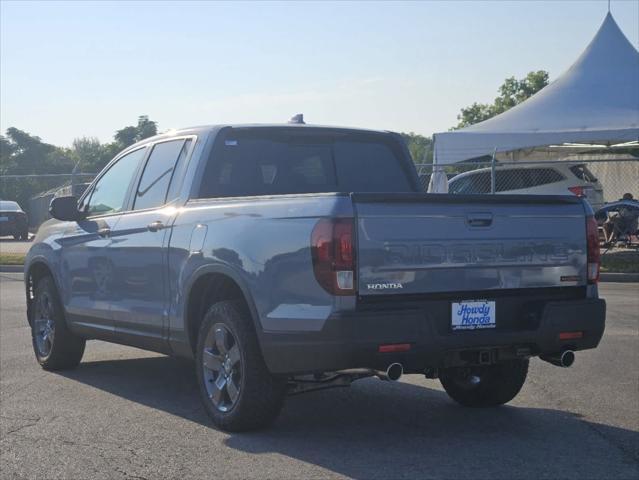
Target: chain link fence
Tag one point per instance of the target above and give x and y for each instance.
(599, 180)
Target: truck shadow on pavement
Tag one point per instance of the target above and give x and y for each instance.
(378, 429)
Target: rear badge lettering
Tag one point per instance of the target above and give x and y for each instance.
(384, 286)
(569, 278)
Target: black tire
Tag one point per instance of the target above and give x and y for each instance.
(16, 236)
(485, 386)
(24, 235)
(258, 395)
(55, 347)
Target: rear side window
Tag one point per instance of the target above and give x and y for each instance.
(582, 173)
(522, 178)
(278, 162)
(158, 173)
(543, 176)
(514, 179)
(474, 183)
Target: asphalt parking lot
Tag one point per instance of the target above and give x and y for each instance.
(125, 413)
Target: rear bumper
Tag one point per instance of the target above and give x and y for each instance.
(352, 340)
(13, 227)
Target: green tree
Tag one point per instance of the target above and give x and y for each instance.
(25, 154)
(126, 136)
(420, 147)
(146, 128)
(90, 155)
(511, 93)
(129, 135)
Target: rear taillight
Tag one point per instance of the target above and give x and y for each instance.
(333, 255)
(592, 239)
(580, 191)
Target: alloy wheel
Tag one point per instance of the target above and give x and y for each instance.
(222, 362)
(44, 324)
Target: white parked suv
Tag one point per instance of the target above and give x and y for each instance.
(555, 179)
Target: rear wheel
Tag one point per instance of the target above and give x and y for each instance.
(55, 347)
(485, 386)
(238, 391)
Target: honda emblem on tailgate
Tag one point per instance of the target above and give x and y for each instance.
(384, 286)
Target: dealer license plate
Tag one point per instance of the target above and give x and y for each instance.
(473, 314)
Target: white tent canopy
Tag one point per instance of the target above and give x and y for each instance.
(595, 102)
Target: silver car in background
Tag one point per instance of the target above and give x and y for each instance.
(533, 179)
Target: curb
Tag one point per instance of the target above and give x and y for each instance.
(11, 268)
(619, 277)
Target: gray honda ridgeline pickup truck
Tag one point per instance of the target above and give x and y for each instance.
(289, 258)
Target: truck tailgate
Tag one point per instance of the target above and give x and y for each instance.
(420, 243)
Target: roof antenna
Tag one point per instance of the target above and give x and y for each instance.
(297, 119)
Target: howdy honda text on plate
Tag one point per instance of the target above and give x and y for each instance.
(469, 315)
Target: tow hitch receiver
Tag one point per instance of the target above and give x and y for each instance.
(485, 357)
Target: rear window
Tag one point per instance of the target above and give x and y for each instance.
(277, 162)
(582, 173)
(8, 206)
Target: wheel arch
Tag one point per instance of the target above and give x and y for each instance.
(211, 284)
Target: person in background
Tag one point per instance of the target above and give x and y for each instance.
(623, 222)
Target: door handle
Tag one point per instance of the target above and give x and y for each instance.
(104, 232)
(155, 226)
(479, 219)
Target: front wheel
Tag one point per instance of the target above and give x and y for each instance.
(485, 386)
(55, 347)
(238, 391)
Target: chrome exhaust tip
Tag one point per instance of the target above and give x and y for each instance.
(394, 371)
(567, 358)
(564, 359)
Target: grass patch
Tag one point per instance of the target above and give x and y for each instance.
(11, 259)
(620, 262)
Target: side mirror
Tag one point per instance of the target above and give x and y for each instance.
(65, 208)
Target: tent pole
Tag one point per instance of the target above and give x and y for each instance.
(492, 172)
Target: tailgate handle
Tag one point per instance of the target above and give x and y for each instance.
(479, 219)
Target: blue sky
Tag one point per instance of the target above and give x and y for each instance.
(86, 69)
